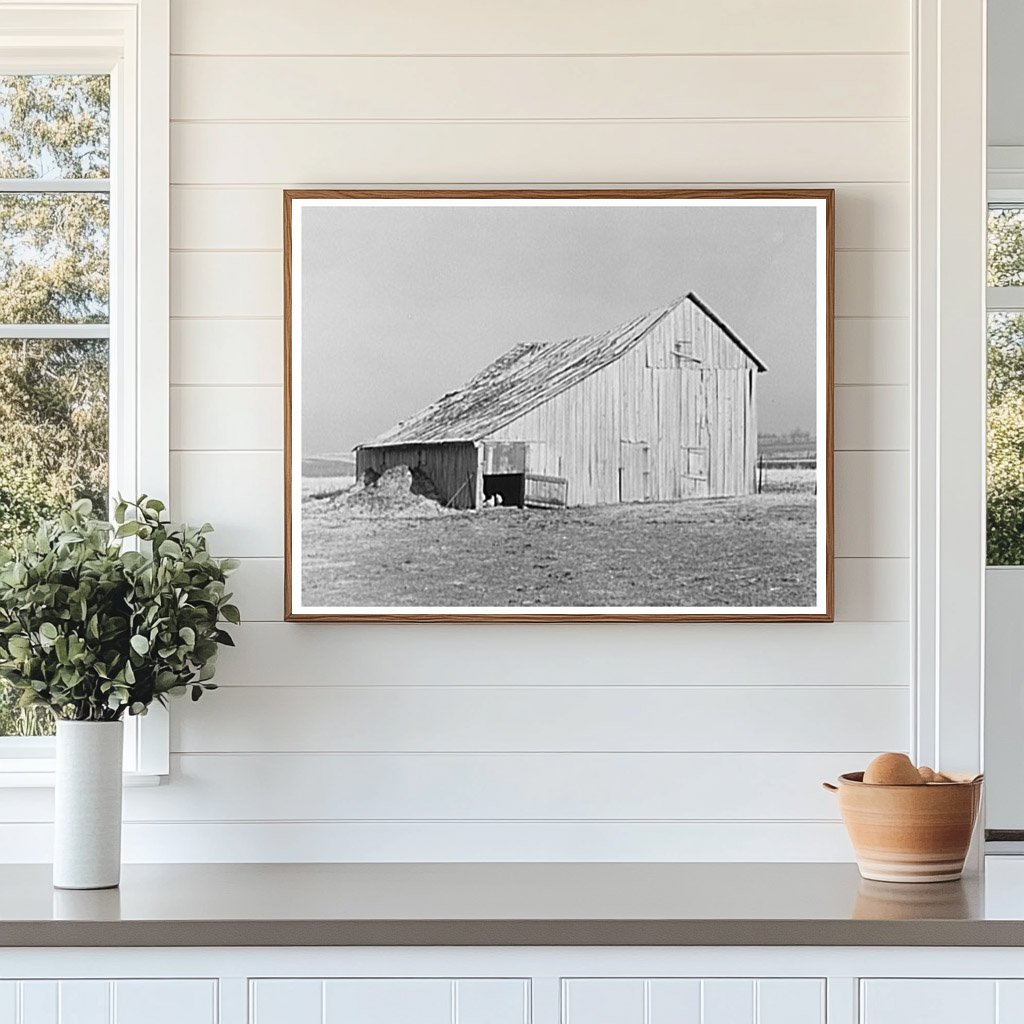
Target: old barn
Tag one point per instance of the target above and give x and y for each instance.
(661, 408)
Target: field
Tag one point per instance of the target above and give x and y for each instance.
(756, 550)
(319, 486)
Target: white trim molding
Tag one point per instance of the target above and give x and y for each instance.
(1005, 173)
(949, 451)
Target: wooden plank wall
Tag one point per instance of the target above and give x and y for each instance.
(451, 467)
(590, 433)
(684, 741)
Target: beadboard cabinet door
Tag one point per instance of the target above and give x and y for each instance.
(389, 1001)
(94, 1001)
(942, 1001)
(693, 1001)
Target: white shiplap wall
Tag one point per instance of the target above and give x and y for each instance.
(541, 742)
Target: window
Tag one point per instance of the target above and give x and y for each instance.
(84, 126)
(54, 308)
(1005, 477)
(682, 349)
(696, 462)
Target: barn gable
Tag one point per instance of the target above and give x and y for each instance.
(533, 373)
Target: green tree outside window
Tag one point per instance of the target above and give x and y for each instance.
(54, 271)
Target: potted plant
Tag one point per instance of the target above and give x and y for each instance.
(93, 630)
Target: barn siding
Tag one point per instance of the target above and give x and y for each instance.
(452, 467)
(651, 397)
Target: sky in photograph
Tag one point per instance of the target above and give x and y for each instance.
(401, 305)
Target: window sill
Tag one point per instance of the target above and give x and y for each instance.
(38, 777)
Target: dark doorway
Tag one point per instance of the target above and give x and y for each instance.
(509, 487)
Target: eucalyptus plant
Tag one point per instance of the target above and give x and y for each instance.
(98, 619)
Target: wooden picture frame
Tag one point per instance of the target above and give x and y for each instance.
(466, 435)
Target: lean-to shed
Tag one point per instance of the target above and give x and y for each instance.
(661, 408)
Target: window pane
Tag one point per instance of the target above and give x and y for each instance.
(54, 126)
(1006, 439)
(1005, 246)
(54, 258)
(53, 449)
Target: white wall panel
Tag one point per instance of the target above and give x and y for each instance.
(227, 352)
(868, 216)
(228, 842)
(492, 1001)
(872, 283)
(727, 1002)
(205, 284)
(790, 1001)
(387, 1001)
(603, 1001)
(40, 1003)
(872, 504)
(937, 1001)
(286, 1001)
(693, 1001)
(793, 654)
(99, 1001)
(674, 1001)
(872, 351)
(240, 217)
(577, 26)
(86, 1002)
(8, 1002)
(737, 92)
(165, 1002)
(537, 88)
(239, 492)
(871, 418)
(410, 787)
(1009, 1002)
(258, 586)
(549, 717)
(241, 418)
(872, 589)
(730, 152)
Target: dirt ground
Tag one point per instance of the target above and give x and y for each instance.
(755, 550)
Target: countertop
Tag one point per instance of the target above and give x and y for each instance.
(560, 904)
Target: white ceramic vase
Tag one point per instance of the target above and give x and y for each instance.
(87, 808)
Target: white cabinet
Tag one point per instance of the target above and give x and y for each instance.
(142, 1001)
(389, 1001)
(942, 1001)
(693, 1001)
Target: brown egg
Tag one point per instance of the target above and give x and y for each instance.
(892, 770)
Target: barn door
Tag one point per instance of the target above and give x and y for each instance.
(634, 471)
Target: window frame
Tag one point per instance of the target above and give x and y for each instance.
(130, 41)
(1002, 712)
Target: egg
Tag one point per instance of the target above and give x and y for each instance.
(893, 770)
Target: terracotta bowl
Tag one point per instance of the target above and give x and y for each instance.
(909, 833)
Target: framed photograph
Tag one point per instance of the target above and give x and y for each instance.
(558, 405)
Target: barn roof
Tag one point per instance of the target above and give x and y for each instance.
(528, 375)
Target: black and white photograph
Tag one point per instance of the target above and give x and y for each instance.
(558, 405)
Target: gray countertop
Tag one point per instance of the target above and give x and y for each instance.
(503, 904)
